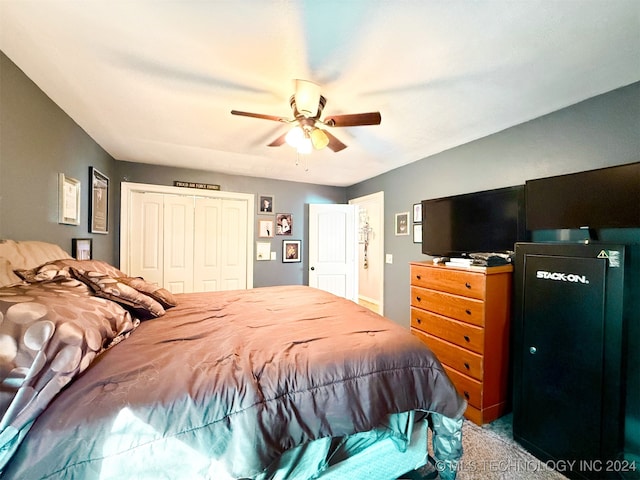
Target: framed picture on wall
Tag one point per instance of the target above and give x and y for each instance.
(81, 248)
(417, 213)
(265, 204)
(284, 224)
(417, 233)
(98, 202)
(68, 200)
(265, 228)
(402, 223)
(291, 251)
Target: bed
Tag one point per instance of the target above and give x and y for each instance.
(107, 376)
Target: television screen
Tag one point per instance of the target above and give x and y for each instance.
(491, 221)
(602, 198)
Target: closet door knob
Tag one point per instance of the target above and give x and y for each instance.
(533, 350)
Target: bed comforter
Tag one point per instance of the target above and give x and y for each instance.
(234, 379)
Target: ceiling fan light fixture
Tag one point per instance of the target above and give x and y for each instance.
(305, 146)
(319, 139)
(307, 97)
(294, 137)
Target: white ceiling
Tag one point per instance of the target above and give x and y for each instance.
(154, 81)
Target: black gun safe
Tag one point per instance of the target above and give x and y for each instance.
(568, 358)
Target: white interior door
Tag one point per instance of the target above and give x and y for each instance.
(206, 260)
(234, 261)
(146, 238)
(333, 249)
(178, 243)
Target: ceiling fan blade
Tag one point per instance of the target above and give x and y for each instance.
(278, 141)
(259, 115)
(354, 119)
(334, 144)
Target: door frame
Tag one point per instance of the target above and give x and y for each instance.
(377, 198)
(127, 188)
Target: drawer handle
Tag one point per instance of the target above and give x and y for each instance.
(467, 311)
(467, 284)
(419, 299)
(466, 337)
(418, 320)
(466, 365)
(418, 277)
(466, 395)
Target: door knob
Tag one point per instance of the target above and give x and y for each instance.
(533, 350)
(313, 268)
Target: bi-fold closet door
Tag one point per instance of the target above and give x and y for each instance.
(187, 243)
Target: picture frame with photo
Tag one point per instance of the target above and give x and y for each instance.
(402, 223)
(417, 233)
(417, 213)
(98, 202)
(81, 248)
(284, 224)
(265, 228)
(68, 200)
(265, 204)
(291, 251)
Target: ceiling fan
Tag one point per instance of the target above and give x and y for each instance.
(307, 104)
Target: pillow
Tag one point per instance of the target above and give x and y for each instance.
(59, 270)
(49, 334)
(161, 295)
(49, 272)
(7, 275)
(140, 305)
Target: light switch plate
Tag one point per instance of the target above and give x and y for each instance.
(388, 258)
(273, 255)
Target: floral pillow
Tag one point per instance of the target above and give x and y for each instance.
(103, 285)
(159, 294)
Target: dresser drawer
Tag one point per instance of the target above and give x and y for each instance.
(462, 334)
(466, 386)
(459, 282)
(460, 308)
(460, 359)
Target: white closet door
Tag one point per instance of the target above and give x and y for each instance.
(206, 255)
(178, 243)
(146, 227)
(233, 234)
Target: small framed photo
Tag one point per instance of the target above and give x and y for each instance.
(417, 233)
(417, 213)
(402, 223)
(284, 224)
(98, 202)
(265, 204)
(291, 251)
(263, 251)
(81, 248)
(265, 228)
(68, 200)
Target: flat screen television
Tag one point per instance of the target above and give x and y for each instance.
(491, 221)
(603, 198)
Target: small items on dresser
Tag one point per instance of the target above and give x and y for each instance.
(462, 313)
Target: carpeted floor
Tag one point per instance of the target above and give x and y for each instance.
(490, 453)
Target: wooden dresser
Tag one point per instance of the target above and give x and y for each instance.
(463, 315)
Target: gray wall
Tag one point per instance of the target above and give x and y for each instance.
(38, 141)
(289, 197)
(599, 132)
